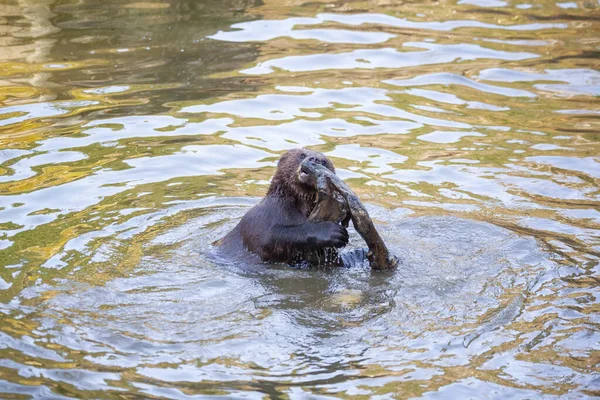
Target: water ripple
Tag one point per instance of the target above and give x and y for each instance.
(386, 58)
(135, 135)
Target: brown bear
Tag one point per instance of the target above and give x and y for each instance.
(278, 229)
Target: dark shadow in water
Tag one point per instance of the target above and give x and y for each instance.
(161, 47)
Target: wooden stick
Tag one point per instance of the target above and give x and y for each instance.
(337, 202)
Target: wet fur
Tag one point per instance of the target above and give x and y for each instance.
(277, 229)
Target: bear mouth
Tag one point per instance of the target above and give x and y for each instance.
(306, 176)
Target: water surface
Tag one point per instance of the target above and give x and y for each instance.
(134, 134)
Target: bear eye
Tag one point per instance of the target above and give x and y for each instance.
(303, 156)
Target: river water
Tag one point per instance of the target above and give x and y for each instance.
(135, 134)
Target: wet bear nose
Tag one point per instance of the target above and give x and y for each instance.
(315, 160)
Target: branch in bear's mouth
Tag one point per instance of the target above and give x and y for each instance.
(337, 202)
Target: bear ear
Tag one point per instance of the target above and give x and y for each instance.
(283, 157)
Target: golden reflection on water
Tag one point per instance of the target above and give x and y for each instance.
(134, 134)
